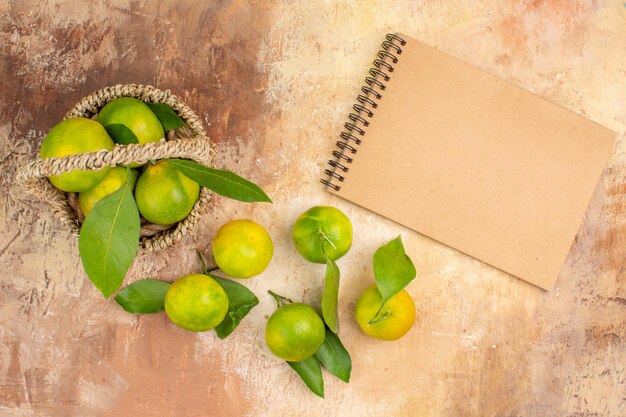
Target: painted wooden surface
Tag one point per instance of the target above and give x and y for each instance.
(274, 83)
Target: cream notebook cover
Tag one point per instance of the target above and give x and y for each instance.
(470, 160)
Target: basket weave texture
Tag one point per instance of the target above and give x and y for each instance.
(188, 142)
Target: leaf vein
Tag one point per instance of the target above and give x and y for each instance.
(115, 219)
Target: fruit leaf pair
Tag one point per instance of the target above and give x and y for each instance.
(225, 183)
(323, 234)
(332, 355)
(109, 239)
(393, 270)
(148, 296)
(240, 301)
(168, 118)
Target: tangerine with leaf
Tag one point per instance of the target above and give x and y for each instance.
(394, 318)
(164, 195)
(295, 331)
(385, 310)
(134, 115)
(196, 302)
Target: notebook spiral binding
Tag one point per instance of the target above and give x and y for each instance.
(375, 84)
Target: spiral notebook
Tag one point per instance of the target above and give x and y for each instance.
(469, 160)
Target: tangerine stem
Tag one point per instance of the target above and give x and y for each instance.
(205, 270)
(202, 264)
(324, 237)
(280, 300)
(375, 319)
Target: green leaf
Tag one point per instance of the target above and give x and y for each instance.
(223, 182)
(168, 117)
(330, 297)
(334, 356)
(311, 373)
(143, 296)
(121, 134)
(109, 238)
(393, 269)
(240, 301)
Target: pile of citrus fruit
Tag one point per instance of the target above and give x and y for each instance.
(296, 332)
(163, 195)
(165, 192)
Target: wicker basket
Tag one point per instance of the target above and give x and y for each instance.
(190, 142)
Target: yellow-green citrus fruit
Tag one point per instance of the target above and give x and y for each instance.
(135, 115)
(398, 313)
(295, 332)
(74, 136)
(196, 302)
(115, 178)
(242, 248)
(164, 195)
(322, 230)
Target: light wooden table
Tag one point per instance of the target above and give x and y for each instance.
(274, 83)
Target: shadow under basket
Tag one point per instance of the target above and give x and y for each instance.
(187, 142)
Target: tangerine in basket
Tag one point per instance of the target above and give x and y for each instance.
(164, 195)
(135, 115)
(115, 178)
(75, 136)
(396, 316)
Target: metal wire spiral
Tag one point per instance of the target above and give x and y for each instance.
(372, 90)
